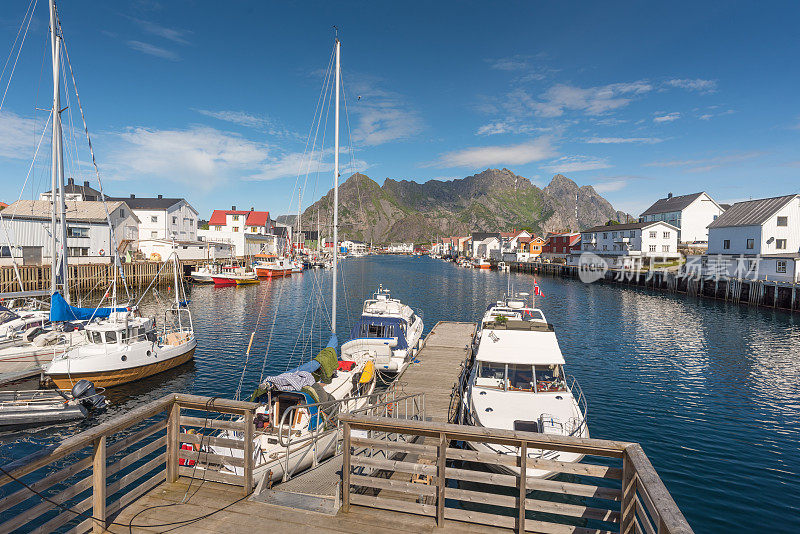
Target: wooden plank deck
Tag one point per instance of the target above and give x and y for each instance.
(164, 504)
(439, 365)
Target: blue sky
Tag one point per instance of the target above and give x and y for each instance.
(214, 101)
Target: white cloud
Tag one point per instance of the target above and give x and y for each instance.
(171, 34)
(512, 63)
(249, 120)
(19, 135)
(706, 164)
(609, 186)
(569, 164)
(382, 116)
(487, 156)
(623, 140)
(147, 48)
(592, 100)
(297, 163)
(669, 117)
(198, 156)
(699, 85)
(508, 126)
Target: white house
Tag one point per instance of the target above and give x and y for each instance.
(485, 245)
(26, 232)
(74, 192)
(756, 239)
(626, 245)
(691, 214)
(250, 232)
(163, 218)
(160, 249)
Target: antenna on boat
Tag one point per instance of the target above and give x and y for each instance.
(335, 188)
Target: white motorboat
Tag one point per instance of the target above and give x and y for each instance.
(203, 274)
(388, 331)
(36, 347)
(517, 382)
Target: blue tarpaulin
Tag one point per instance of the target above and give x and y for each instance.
(61, 311)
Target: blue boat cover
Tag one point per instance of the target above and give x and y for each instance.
(61, 311)
(313, 365)
(382, 327)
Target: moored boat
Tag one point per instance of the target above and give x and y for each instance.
(271, 266)
(517, 382)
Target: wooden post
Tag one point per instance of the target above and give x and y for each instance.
(173, 429)
(627, 519)
(523, 493)
(440, 479)
(346, 468)
(248, 451)
(99, 485)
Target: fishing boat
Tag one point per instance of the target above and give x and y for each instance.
(234, 276)
(502, 266)
(271, 266)
(481, 263)
(49, 406)
(204, 274)
(388, 331)
(126, 346)
(517, 382)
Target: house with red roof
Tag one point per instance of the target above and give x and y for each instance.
(250, 232)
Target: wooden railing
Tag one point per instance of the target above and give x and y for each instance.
(88, 478)
(614, 488)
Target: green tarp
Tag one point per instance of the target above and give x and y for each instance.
(328, 363)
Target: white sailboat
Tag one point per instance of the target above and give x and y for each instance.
(295, 424)
(517, 382)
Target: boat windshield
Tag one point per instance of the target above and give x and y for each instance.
(520, 377)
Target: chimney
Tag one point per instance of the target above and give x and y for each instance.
(252, 209)
(133, 196)
(70, 181)
(669, 195)
(159, 196)
(233, 208)
(86, 183)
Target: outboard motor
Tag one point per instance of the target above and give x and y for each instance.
(85, 392)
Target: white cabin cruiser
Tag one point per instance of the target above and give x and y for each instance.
(517, 382)
(388, 332)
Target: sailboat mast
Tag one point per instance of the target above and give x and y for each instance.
(58, 264)
(335, 193)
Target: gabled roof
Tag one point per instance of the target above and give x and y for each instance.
(751, 212)
(77, 211)
(254, 218)
(480, 236)
(664, 205)
(627, 226)
(148, 203)
(84, 189)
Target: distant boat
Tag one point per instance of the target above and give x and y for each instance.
(481, 263)
(271, 266)
(204, 274)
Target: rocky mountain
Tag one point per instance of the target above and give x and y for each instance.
(492, 200)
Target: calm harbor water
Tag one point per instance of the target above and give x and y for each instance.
(710, 389)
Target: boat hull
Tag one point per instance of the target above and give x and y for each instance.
(118, 377)
(223, 281)
(23, 362)
(272, 273)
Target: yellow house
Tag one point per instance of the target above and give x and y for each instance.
(535, 246)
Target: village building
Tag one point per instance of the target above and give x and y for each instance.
(690, 214)
(630, 245)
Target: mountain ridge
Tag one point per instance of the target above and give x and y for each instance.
(493, 200)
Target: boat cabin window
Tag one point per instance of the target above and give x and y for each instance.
(111, 336)
(95, 337)
(520, 377)
(491, 375)
(550, 378)
(377, 331)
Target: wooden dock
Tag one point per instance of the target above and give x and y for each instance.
(396, 474)
(445, 349)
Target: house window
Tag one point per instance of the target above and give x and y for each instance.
(77, 251)
(5, 252)
(153, 235)
(753, 266)
(235, 228)
(122, 213)
(653, 234)
(74, 231)
(235, 217)
(751, 244)
(253, 229)
(666, 235)
(605, 247)
(605, 235)
(780, 244)
(613, 235)
(218, 228)
(632, 233)
(174, 220)
(783, 221)
(780, 266)
(652, 248)
(664, 248)
(154, 218)
(726, 244)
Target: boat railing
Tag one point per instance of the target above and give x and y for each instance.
(583, 406)
(614, 488)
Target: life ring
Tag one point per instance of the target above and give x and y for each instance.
(102, 252)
